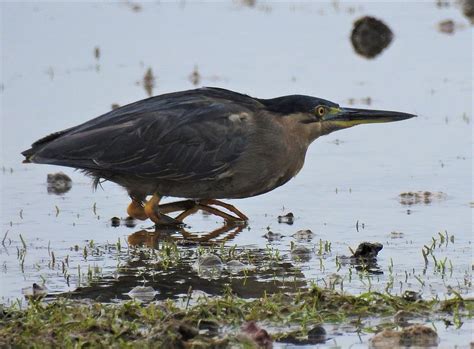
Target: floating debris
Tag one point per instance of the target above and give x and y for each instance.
(34, 292)
(135, 7)
(58, 183)
(97, 52)
(288, 218)
(303, 235)
(416, 335)
(370, 36)
(396, 235)
(195, 77)
(468, 9)
(248, 3)
(149, 82)
(257, 335)
(367, 250)
(142, 293)
(419, 197)
(366, 101)
(115, 222)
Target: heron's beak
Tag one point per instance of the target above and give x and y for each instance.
(347, 117)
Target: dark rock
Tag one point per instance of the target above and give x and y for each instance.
(317, 335)
(370, 36)
(367, 250)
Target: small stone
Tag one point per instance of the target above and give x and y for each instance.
(288, 218)
(115, 222)
(411, 336)
(301, 253)
(130, 222)
(317, 334)
(34, 292)
(448, 26)
(411, 296)
(370, 36)
(303, 235)
(271, 236)
(58, 183)
(402, 317)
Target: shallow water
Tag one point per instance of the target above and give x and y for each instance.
(51, 80)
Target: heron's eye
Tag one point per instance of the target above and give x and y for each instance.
(320, 111)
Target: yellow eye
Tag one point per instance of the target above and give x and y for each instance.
(320, 111)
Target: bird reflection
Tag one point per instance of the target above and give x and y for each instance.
(183, 236)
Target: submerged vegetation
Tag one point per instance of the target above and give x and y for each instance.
(216, 321)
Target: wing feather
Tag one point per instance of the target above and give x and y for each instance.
(192, 138)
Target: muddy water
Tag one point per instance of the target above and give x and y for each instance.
(347, 192)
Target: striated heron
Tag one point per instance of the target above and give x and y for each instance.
(203, 144)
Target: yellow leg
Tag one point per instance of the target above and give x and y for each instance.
(152, 211)
(136, 210)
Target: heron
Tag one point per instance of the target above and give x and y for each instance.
(202, 145)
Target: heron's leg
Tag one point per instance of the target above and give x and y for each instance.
(187, 213)
(177, 206)
(136, 210)
(229, 207)
(152, 211)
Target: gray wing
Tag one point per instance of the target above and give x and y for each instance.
(192, 138)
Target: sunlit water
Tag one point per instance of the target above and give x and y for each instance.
(351, 179)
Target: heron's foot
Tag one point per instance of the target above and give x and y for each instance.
(240, 216)
(190, 207)
(152, 211)
(136, 210)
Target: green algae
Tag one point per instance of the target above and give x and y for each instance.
(207, 322)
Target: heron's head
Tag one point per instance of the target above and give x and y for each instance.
(316, 117)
